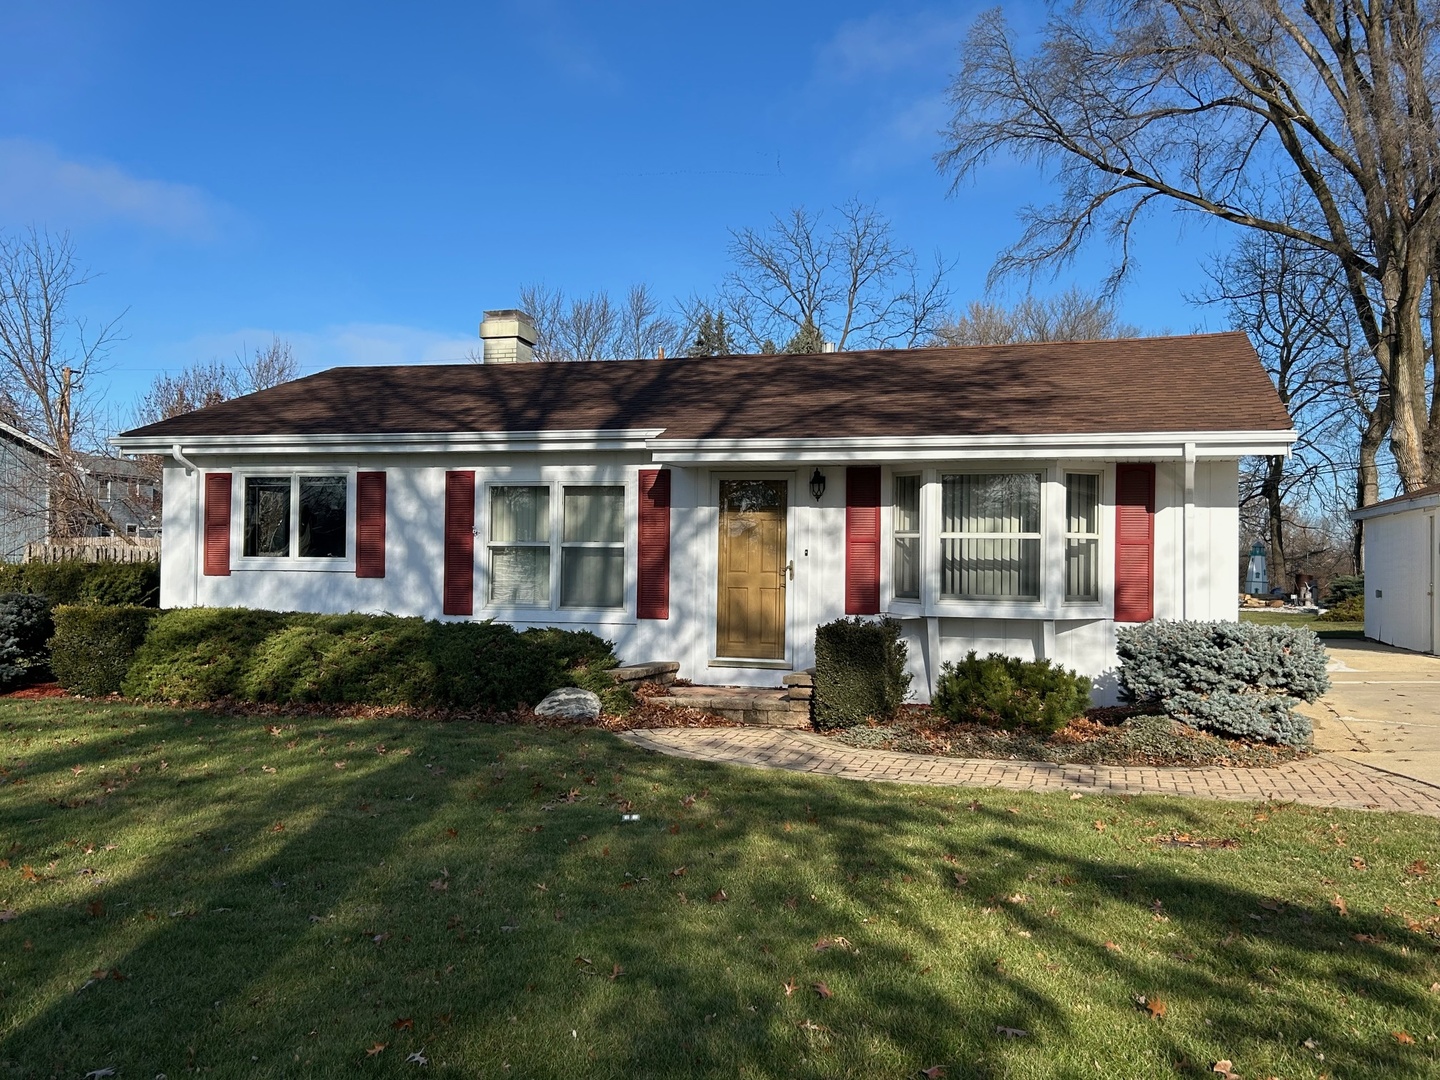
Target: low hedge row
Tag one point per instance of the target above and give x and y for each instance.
(72, 581)
(195, 655)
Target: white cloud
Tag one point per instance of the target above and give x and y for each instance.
(39, 185)
(882, 45)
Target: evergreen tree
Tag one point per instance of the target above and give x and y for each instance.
(808, 339)
(712, 337)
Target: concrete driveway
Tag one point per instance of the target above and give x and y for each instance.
(1383, 709)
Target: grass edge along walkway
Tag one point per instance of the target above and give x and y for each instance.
(1320, 780)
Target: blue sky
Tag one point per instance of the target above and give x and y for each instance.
(365, 179)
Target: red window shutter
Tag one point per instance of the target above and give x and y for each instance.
(370, 524)
(862, 540)
(459, 598)
(652, 599)
(217, 524)
(1134, 542)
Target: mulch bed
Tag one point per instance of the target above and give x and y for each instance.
(1111, 736)
(39, 690)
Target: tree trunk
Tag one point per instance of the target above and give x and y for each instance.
(1270, 490)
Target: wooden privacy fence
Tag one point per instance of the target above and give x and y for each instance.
(95, 549)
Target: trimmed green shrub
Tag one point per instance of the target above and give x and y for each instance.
(210, 654)
(1234, 678)
(72, 581)
(1351, 609)
(1343, 588)
(26, 624)
(859, 672)
(94, 645)
(1007, 692)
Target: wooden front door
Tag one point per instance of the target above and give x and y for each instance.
(750, 614)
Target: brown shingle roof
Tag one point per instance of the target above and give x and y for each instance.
(1196, 383)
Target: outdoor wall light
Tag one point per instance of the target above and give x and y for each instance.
(817, 484)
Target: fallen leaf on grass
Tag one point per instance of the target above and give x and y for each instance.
(790, 987)
(1012, 1033)
(1404, 1038)
(615, 973)
(377, 1048)
(405, 1023)
(933, 1072)
(1112, 946)
(679, 871)
(1152, 1006)
(418, 1058)
(718, 897)
(100, 1074)
(95, 909)
(9, 915)
(961, 881)
(1418, 868)
(1099, 826)
(821, 989)
(1357, 863)
(1225, 1069)
(1339, 905)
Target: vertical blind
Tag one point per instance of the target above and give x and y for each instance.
(990, 536)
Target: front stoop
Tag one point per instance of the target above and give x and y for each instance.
(758, 707)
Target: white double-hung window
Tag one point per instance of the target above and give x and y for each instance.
(563, 542)
(990, 536)
(1082, 538)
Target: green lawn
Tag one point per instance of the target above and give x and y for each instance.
(1329, 630)
(185, 892)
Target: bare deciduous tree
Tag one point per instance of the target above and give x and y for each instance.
(209, 382)
(50, 359)
(595, 327)
(1208, 105)
(844, 279)
(1070, 316)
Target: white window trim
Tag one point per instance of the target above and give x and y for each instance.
(1052, 604)
(556, 481)
(239, 561)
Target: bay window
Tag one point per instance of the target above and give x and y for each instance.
(586, 544)
(1082, 537)
(906, 527)
(990, 536)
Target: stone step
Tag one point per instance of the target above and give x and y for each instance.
(660, 672)
(743, 704)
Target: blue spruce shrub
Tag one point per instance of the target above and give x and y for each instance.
(25, 629)
(1235, 678)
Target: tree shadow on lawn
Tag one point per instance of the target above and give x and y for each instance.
(480, 893)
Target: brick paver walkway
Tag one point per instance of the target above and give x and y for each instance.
(1322, 780)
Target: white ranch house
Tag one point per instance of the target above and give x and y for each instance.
(1025, 499)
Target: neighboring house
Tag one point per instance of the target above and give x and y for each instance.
(1402, 548)
(1024, 499)
(24, 491)
(127, 490)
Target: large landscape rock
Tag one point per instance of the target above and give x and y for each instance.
(569, 703)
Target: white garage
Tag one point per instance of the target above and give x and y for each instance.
(1402, 561)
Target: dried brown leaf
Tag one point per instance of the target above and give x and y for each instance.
(821, 989)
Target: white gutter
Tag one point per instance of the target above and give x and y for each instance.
(1147, 446)
(408, 443)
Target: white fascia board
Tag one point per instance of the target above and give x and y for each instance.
(1397, 506)
(1148, 445)
(416, 443)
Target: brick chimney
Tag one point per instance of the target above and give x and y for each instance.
(509, 337)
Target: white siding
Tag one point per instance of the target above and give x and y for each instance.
(1398, 601)
(1081, 637)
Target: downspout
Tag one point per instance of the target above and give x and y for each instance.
(190, 466)
(1187, 545)
(197, 528)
